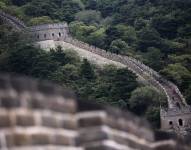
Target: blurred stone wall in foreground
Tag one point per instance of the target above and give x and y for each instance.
(43, 116)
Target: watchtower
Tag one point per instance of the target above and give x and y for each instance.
(176, 119)
(56, 32)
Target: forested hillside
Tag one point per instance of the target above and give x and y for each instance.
(158, 32)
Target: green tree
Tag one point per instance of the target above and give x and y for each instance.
(184, 31)
(166, 25)
(140, 23)
(144, 97)
(151, 56)
(38, 8)
(81, 31)
(89, 16)
(2, 5)
(86, 70)
(146, 101)
(68, 10)
(91, 4)
(33, 62)
(119, 46)
(67, 75)
(40, 20)
(106, 7)
(149, 38)
(123, 83)
(112, 34)
(153, 116)
(20, 2)
(114, 86)
(97, 38)
(178, 74)
(184, 60)
(127, 34)
(64, 56)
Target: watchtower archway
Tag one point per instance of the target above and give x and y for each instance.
(180, 122)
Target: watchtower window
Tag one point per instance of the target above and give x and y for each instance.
(59, 34)
(44, 35)
(180, 122)
(38, 36)
(53, 34)
(170, 122)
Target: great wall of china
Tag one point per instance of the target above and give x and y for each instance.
(48, 36)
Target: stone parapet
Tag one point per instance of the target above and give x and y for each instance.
(49, 26)
(175, 111)
(42, 115)
(14, 21)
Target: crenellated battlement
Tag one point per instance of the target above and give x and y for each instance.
(171, 112)
(49, 26)
(13, 21)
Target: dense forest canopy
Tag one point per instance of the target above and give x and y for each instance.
(158, 32)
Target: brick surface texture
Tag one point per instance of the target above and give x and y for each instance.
(43, 116)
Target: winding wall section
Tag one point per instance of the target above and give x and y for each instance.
(13, 21)
(59, 32)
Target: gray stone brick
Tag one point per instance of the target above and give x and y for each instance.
(9, 102)
(40, 139)
(25, 120)
(5, 120)
(88, 122)
(91, 135)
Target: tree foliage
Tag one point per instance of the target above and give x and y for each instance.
(145, 101)
(88, 16)
(40, 20)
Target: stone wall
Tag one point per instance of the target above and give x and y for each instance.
(11, 20)
(40, 115)
(172, 92)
